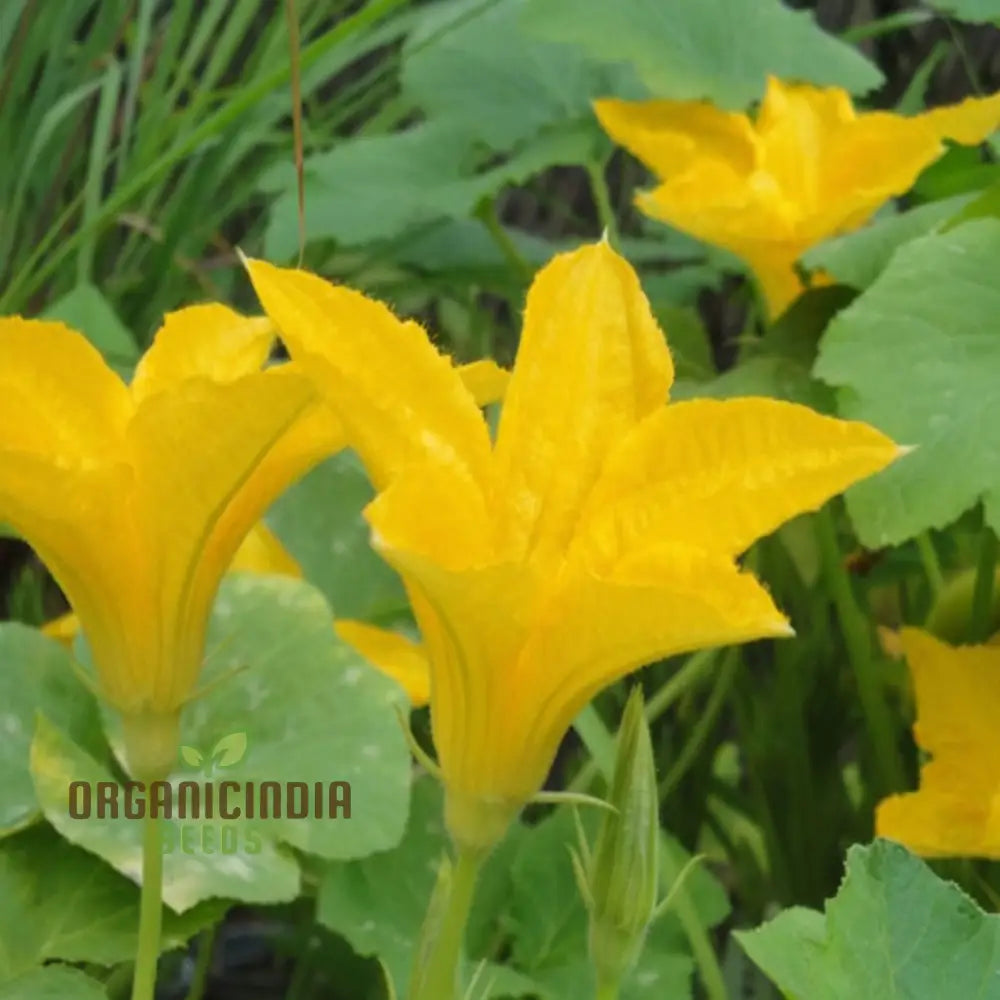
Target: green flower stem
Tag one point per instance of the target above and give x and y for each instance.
(438, 978)
(487, 214)
(602, 200)
(857, 637)
(150, 911)
(600, 743)
(982, 594)
(931, 563)
(206, 946)
(702, 730)
(886, 25)
(607, 991)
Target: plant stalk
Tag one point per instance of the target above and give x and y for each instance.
(857, 637)
(602, 201)
(438, 979)
(607, 990)
(199, 981)
(150, 911)
(982, 594)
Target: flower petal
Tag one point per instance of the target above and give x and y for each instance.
(432, 527)
(79, 522)
(395, 655)
(262, 552)
(63, 629)
(58, 398)
(592, 362)
(718, 474)
(878, 156)
(795, 124)
(208, 340)
(595, 630)
(399, 398)
(956, 812)
(969, 122)
(485, 380)
(751, 218)
(669, 135)
(198, 451)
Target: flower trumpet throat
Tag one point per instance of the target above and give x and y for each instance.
(619, 881)
(807, 167)
(137, 496)
(597, 533)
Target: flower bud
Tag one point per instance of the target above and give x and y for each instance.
(621, 877)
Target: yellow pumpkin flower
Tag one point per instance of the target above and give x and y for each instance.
(259, 552)
(956, 812)
(262, 552)
(806, 168)
(598, 533)
(136, 497)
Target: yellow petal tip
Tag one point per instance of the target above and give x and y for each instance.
(783, 629)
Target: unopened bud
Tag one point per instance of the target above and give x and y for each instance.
(621, 877)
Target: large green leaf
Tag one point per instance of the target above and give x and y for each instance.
(36, 675)
(470, 63)
(894, 931)
(969, 10)
(858, 258)
(55, 982)
(59, 902)
(721, 50)
(312, 711)
(374, 188)
(319, 521)
(918, 356)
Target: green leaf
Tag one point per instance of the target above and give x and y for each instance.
(376, 187)
(778, 365)
(768, 375)
(969, 10)
(86, 309)
(470, 63)
(36, 675)
(313, 712)
(195, 865)
(55, 982)
(690, 345)
(59, 902)
(378, 903)
(319, 521)
(858, 258)
(917, 356)
(720, 50)
(893, 931)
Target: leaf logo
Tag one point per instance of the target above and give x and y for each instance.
(230, 750)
